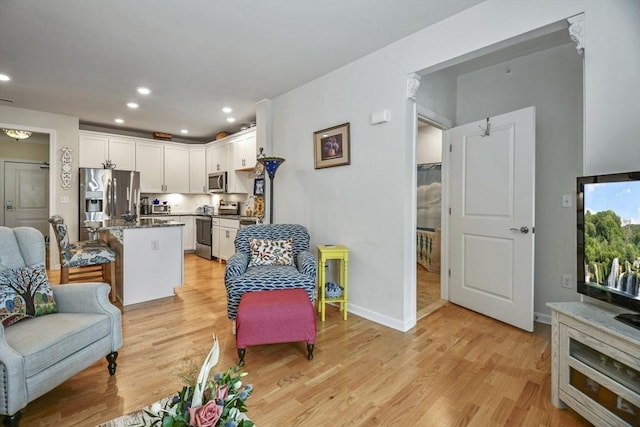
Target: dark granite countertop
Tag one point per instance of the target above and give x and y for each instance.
(120, 224)
(239, 217)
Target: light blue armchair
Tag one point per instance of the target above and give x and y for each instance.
(39, 353)
(240, 277)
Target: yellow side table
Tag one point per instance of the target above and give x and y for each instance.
(333, 252)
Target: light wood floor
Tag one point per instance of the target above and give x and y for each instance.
(454, 368)
(428, 292)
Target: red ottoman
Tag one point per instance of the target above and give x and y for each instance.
(270, 317)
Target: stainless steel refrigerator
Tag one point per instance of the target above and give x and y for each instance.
(107, 194)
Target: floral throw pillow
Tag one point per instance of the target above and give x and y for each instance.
(25, 292)
(271, 252)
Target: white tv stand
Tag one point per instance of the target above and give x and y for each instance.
(595, 363)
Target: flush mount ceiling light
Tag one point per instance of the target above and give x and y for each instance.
(132, 105)
(17, 134)
(231, 119)
(144, 90)
(4, 78)
(184, 131)
(119, 121)
(227, 110)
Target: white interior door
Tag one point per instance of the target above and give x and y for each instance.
(491, 195)
(26, 190)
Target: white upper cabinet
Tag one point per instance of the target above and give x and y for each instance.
(169, 167)
(122, 152)
(164, 168)
(150, 163)
(197, 170)
(176, 168)
(218, 157)
(244, 150)
(95, 149)
(240, 182)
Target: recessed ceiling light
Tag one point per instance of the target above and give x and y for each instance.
(4, 78)
(132, 105)
(144, 90)
(119, 121)
(185, 131)
(227, 110)
(231, 119)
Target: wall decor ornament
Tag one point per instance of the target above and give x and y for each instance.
(332, 146)
(66, 167)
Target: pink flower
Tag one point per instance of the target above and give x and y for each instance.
(206, 415)
(221, 392)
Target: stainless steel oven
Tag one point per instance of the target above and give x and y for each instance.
(204, 238)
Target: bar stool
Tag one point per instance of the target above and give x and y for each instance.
(86, 257)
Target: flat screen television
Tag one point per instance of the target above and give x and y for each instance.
(609, 240)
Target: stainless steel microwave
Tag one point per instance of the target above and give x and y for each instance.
(218, 182)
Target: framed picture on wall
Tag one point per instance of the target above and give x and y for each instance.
(332, 146)
(258, 187)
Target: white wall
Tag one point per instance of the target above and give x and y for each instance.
(612, 86)
(434, 97)
(551, 81)
(353, 205)
(429, 145)
(370, 205)
(63, 131)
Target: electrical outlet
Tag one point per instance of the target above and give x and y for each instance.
(567, 201)
(566, 281)
(155, 245)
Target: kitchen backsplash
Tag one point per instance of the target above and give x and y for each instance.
(189, 202)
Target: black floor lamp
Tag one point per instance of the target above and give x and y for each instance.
(271, 164)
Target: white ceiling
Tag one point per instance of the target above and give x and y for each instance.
(85, 58)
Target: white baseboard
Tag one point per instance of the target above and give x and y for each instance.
(380, 319)
(405, 326)
(542, 318)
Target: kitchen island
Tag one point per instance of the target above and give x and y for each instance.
(149, 261)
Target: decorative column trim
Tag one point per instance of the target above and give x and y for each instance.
(576, 31)
(413, 83)
(66, 161)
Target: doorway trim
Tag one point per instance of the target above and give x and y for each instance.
(53, 174)
(443, 123)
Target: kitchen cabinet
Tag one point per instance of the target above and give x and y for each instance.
(217, 157)
(176, 168)
(197, 170)
(188, 233)
(98, 148)
(244, 150)
(149, 162)
(163, 167)
(215, 237)
(240, 182)
(228, 230)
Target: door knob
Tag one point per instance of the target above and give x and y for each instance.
(524, 229)
(9, 205)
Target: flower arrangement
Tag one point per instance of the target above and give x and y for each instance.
(216, 402)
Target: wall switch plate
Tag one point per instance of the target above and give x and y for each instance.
(567, 201)
(381, 117)
(155, 245)
(566, 281)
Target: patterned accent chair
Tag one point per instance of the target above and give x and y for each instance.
(80, 255)
(239, 277)
(39, 353)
